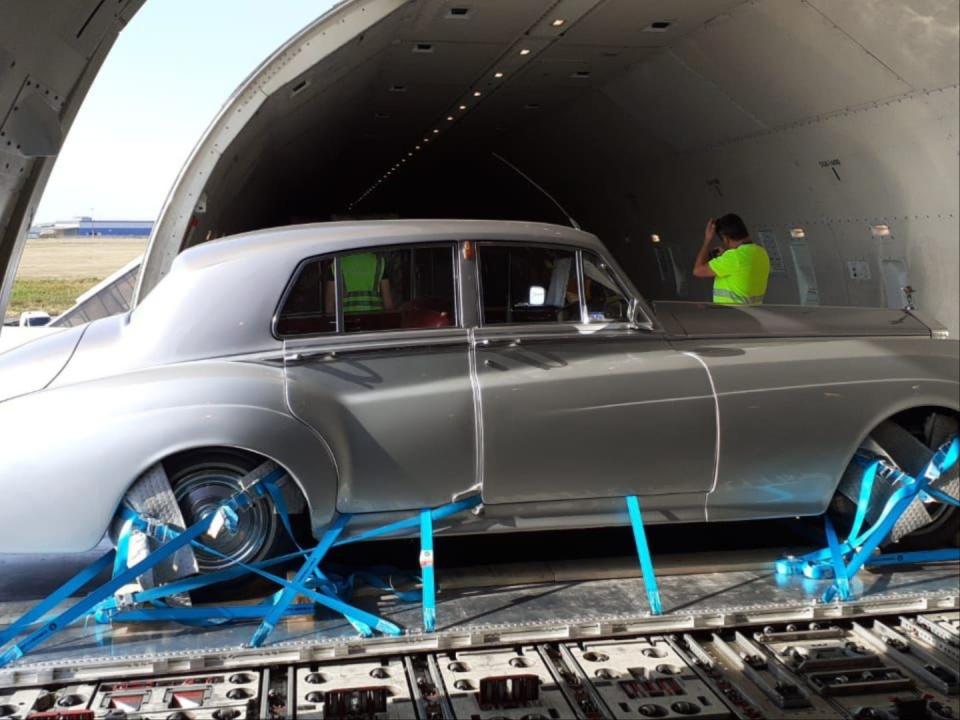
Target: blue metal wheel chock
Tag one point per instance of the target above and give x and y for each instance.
(107, 603)
(841, 561)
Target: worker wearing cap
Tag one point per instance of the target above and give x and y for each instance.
(741, 270)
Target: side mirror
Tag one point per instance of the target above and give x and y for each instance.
(538, 295)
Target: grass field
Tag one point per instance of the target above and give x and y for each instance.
(54, 272)
(51, 294)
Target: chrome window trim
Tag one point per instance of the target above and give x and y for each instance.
(633, 303)
(303, 347)
(566, 330)
(581, 286)
(453, 245)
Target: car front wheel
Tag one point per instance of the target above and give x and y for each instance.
(906, 442)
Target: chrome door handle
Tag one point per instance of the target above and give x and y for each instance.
(299, 357)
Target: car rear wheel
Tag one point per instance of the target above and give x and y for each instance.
(907, 440)
(201, 481)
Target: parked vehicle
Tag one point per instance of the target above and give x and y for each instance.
(396, 365)
(34, 318)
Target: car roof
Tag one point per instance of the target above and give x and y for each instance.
(317, 238)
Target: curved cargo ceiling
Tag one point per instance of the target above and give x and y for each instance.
(640, 117)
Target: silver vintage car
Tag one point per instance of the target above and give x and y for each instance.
(394, 365)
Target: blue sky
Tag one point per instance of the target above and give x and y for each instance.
(169, 72)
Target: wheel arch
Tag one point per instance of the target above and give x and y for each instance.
(928, 403)
(281, 439)
(82, 484)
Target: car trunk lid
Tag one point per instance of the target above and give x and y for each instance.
(34, 365)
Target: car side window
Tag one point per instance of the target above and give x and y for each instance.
(398, 288)
(308, 309)
(395, 288)
(528, 284)
(606, 301)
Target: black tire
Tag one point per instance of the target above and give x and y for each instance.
(201, 479)
(907, 438)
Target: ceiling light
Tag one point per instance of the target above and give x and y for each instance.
(450, 118)
(435, 131)
(525, 51)
(498, 75)
(463, 107)
(798, 233)
(476, 93)
(558, 22)
(880, 230)
(409, 154)
(417, 147)
(655, 238)
(426, 139)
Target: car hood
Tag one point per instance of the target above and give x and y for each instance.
(34, 365)
(707, 320)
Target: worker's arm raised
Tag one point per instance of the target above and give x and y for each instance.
(701, 267)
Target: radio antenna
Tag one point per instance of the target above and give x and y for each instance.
(551, 198)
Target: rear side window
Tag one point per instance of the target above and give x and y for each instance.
(528, 284)
(395, 288)
(310, 306)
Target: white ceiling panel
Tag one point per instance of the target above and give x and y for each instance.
(439, 62)
(484, 21)
(628, 23)
(783, 61)
(669, 101)
(920, 41)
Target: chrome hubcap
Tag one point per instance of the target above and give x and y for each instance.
(203, 489)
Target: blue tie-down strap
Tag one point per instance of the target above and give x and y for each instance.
(86, 604)
(122, 576)
(863, 548)
(919, 557)
(365, 622)
(427, 572)
(643, 553)
(816, 564)
(840, 573)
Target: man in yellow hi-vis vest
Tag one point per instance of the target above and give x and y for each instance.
(741, 270)
(365, 288)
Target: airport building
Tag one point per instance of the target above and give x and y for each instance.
(88, 227)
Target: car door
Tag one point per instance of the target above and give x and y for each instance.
(377, 363)
(577, 401)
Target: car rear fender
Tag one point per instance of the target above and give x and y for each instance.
(106, 433)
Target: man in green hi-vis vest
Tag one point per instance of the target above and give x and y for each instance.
(741, 271)
(365, 289)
